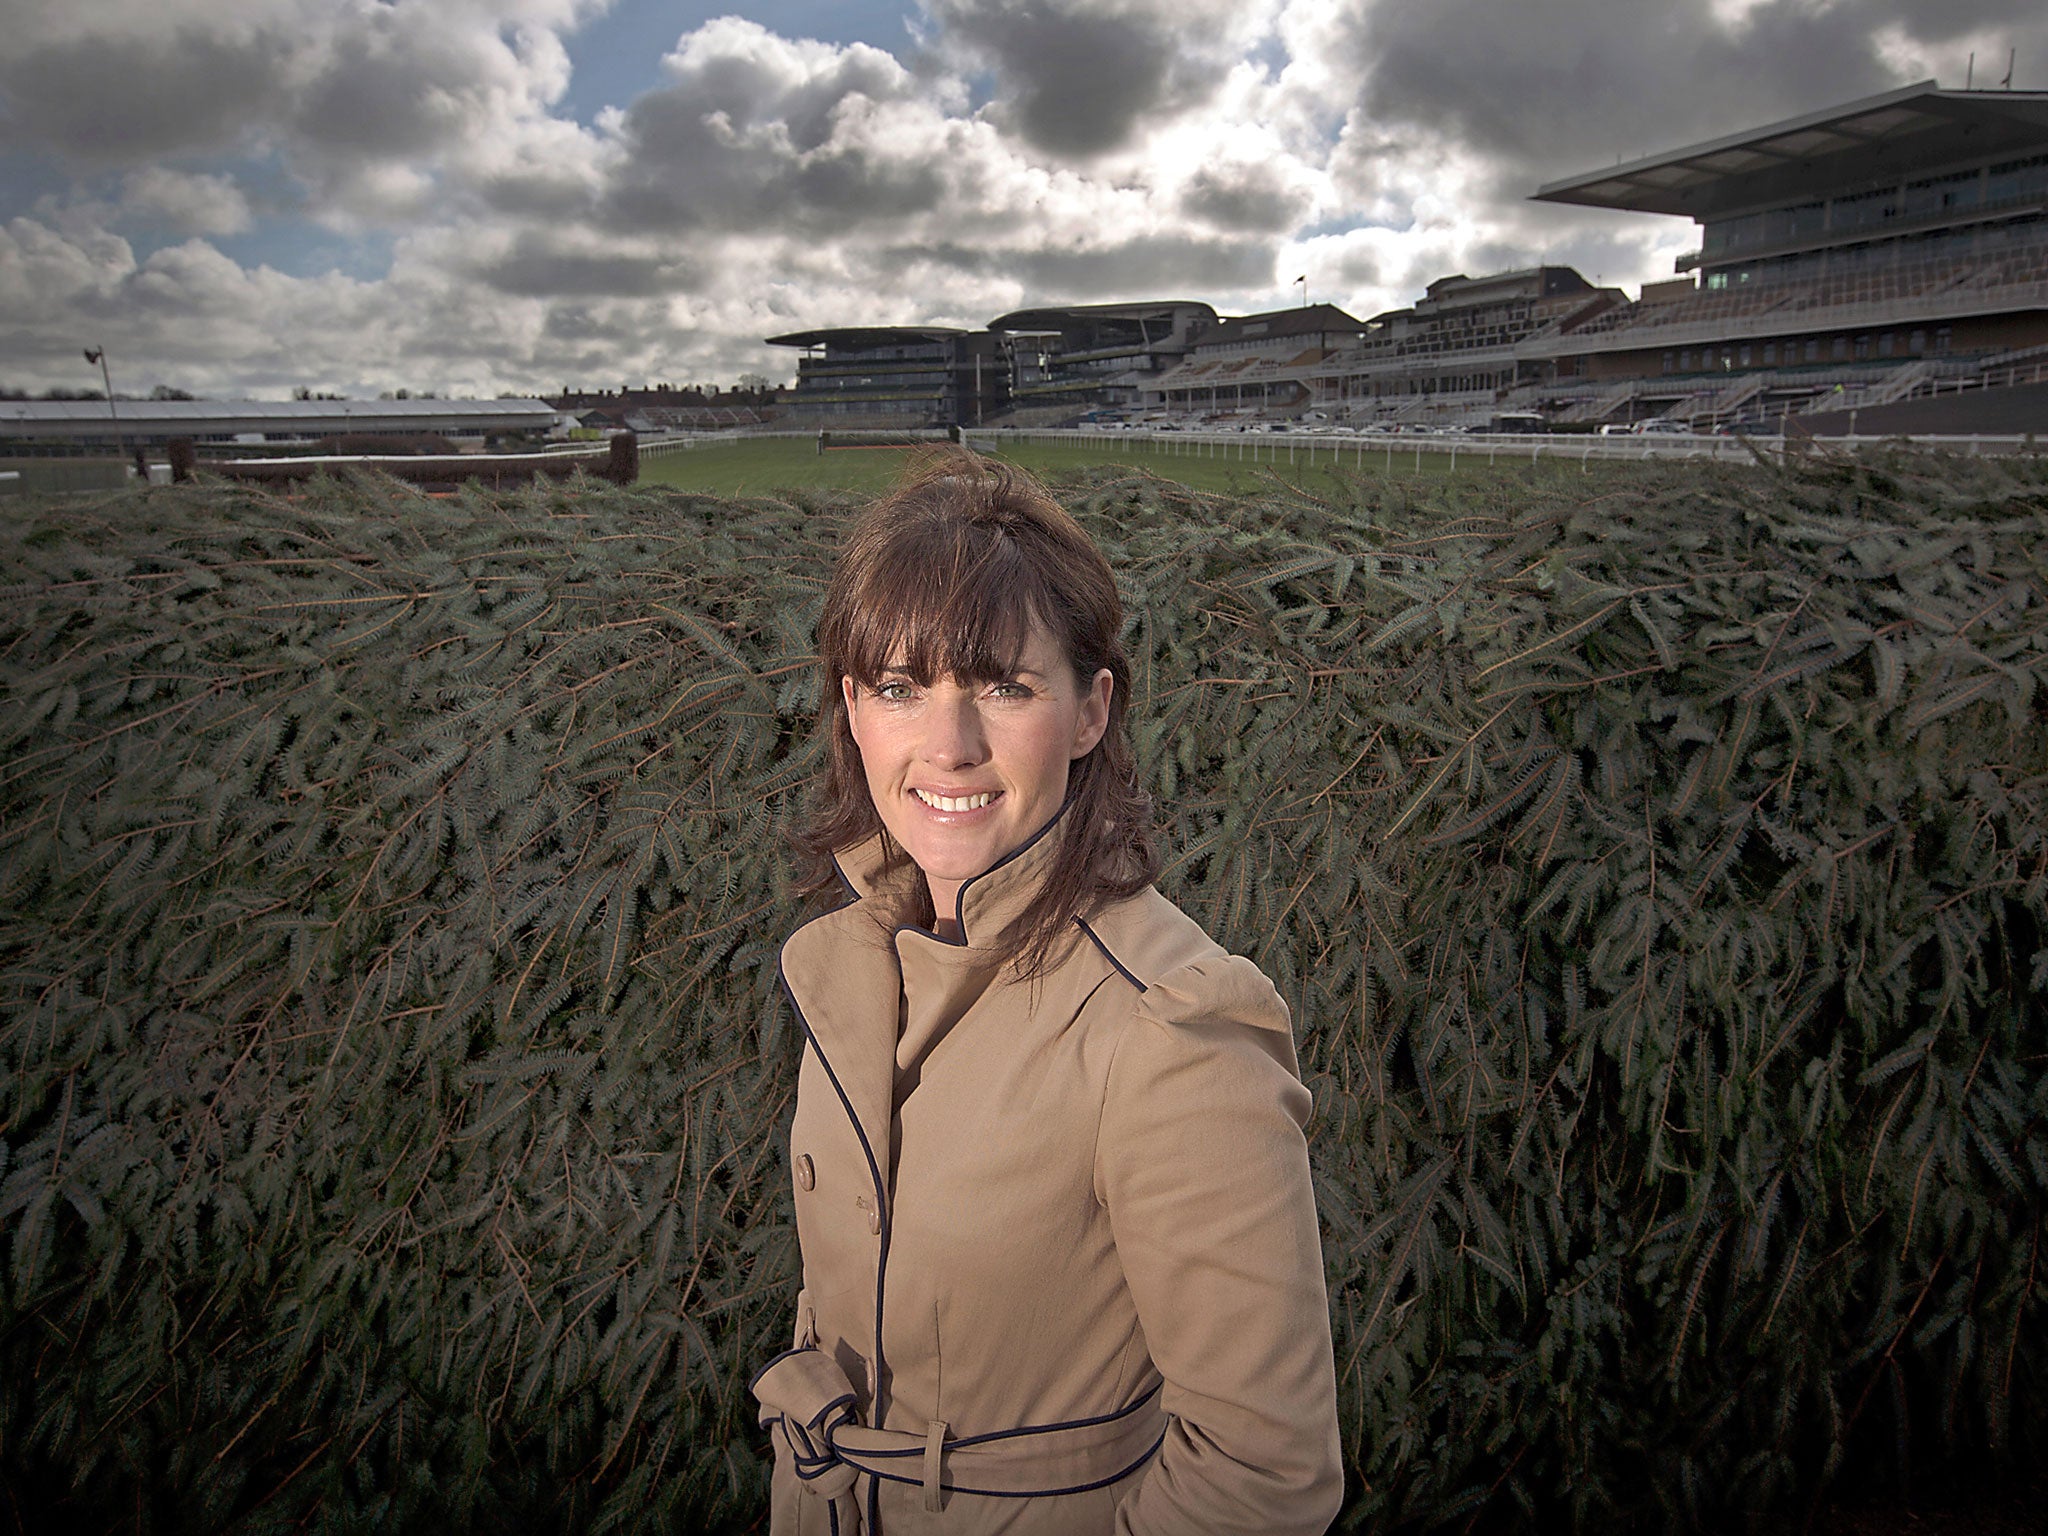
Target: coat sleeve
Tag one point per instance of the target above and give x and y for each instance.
(1203, 1168)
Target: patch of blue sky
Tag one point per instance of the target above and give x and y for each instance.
(617, 56)
(27, 177)
(1342, 224)
(1271, 55)
(287, 243)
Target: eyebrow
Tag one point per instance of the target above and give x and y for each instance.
(903, 668)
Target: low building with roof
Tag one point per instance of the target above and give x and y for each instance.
(42, 425)
(896, 375)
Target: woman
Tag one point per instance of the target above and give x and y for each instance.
(1061, 1267)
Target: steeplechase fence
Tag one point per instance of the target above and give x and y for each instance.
(617, 460)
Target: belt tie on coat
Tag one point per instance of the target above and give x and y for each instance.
(810, 1407)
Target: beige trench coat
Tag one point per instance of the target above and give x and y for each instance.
(1061, 1272)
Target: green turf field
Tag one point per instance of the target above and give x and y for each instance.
(761, 466)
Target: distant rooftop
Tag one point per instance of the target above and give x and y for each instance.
(200, 418)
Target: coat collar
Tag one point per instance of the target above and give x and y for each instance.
(846, 971)
(987, 903)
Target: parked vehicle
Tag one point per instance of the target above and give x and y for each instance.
(1664, 426)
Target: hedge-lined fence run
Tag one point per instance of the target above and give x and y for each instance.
(393, 1085)
(618, 461)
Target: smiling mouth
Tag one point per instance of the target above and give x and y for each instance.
(951, 803)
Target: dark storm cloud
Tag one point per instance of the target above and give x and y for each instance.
(1555, 86)
(384, 95)
(592, 338)
(1353, 269)
(532, 193)
(1076, 79)
(112, 100)
(533, 269)
(692, 181)
(1244, 199)
(1147, 263)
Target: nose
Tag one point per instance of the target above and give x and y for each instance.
(953, 736)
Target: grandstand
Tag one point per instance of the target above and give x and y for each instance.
(887, 377)
(1065, 360)
(1459, 350)
(1255, 364)
(1888, 251)
(1878, 249)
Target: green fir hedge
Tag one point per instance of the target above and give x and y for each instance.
(392, 1079)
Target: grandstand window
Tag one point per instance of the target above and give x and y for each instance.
(1943, 335)
(1670, 361)
(1862, 348)
(1917, 342)
(1840, 349)
(1685, 360)
(2016, 179)
(1884, 345)
(1745, 355)
(1812, 349)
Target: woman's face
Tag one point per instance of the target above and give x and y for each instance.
(964, 773)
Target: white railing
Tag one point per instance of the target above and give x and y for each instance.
(1388, 449)
(660, 447)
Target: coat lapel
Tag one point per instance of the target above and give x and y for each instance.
(841, 974)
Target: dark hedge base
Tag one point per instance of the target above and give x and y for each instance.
(392, 1083)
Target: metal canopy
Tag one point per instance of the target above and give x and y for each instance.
(864, 338)
(1915, 130)
(1063, 316)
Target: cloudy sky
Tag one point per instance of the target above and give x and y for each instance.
(236, 197)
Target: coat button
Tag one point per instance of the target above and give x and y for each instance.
(806, 1175)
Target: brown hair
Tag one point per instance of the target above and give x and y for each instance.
(943, 576)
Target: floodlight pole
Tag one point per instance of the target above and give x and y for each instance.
(99, 355)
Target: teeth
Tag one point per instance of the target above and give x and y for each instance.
(964, 803)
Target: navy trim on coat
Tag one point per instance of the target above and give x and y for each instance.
(875, 1479)
(1121, 969)
(1028, 1429)
(960, 896)
(882, 1207)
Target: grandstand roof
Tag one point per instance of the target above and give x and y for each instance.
(1915, 129)
(1056, 317)
(863, 337)
(1274, 324)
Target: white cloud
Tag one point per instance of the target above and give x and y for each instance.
(183, 203)
(1016, 152)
